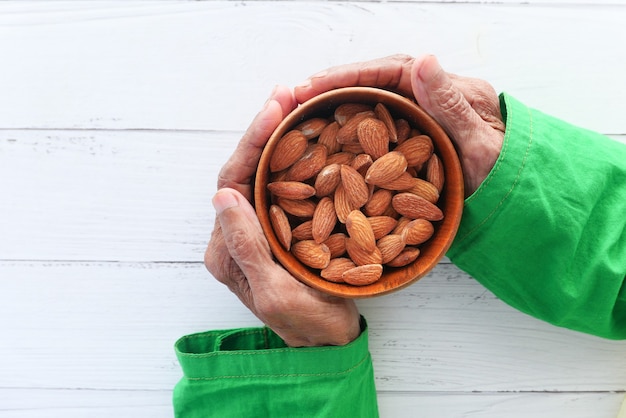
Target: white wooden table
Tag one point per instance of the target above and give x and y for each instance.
(115, 118)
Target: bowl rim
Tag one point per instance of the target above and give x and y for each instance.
(451, 201)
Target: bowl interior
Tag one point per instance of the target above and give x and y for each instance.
(451, 199)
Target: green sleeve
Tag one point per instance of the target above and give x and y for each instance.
(250, 372)
(546, 230)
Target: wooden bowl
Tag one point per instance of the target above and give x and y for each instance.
(451, 198)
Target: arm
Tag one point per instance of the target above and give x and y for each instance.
(252, 372)
(255, 371)
(544, 224)
(546, 231)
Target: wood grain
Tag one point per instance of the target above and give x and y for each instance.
(101, 325)
(110, 195)
(115, 119)
(180, 65)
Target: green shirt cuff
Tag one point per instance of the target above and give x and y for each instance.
(239, 353)
(546, 230)
(250, 372)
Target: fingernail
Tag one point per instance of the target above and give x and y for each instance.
(269, 99)
(431, 69)
(320, 74)
(223, 200)
(307, 83)
(304, 85)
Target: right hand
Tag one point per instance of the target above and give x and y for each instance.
(468, 109)
(239, 256)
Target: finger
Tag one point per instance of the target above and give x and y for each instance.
(438, 95)
(482, 97)
(477, 143)
(392, 73)
(241, 166)
(220, 264)
(244, 237)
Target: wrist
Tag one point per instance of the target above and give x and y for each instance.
(343, 335)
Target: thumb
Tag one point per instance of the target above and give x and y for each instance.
(242, 234)
(438, 96)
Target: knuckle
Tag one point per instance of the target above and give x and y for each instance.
(273, 309)
(240, 244)
(402, 58)
(452, 101)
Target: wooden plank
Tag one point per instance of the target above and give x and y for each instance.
(498, 405)
(68, 403)
(106, 195)
(181, 65)
(109, 195)
(113, 325)
(25, 403)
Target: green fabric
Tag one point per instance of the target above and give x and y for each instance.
(546, 231)
(250, 372)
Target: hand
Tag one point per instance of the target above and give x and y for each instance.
(468, 109)
(238, 254)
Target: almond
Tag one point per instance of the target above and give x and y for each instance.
(391, 212)
(291, 189)
(404, 181)
(418, 231)
(417, 149)
(363, 275)
(303, 231)
(335, 269)
(361, 256)
(413, 171)
(414, 207)
(361, 163)
(354, 185)
(434, 172)
(336, 243)
(311, 253)
(378, 202)
(342, 157)
(288, 150)
(360, 230)
(324, 220)
(347, 134)
(299, 208)
(327, 180)
(328, 138)
(281, 226)
(279, 176)
(390, 246)
(346, 111)
(312, 128)
(373, 137)
(311, 162)
(355, 148)
(401, 223)
(388, 167)
(425, 189)
(343, 204)
(406, 257)
(382, 113)
(382, 225)
(403, 129)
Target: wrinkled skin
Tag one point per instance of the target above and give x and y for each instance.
(238, 254)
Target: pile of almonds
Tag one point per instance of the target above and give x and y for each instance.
(355, 193)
